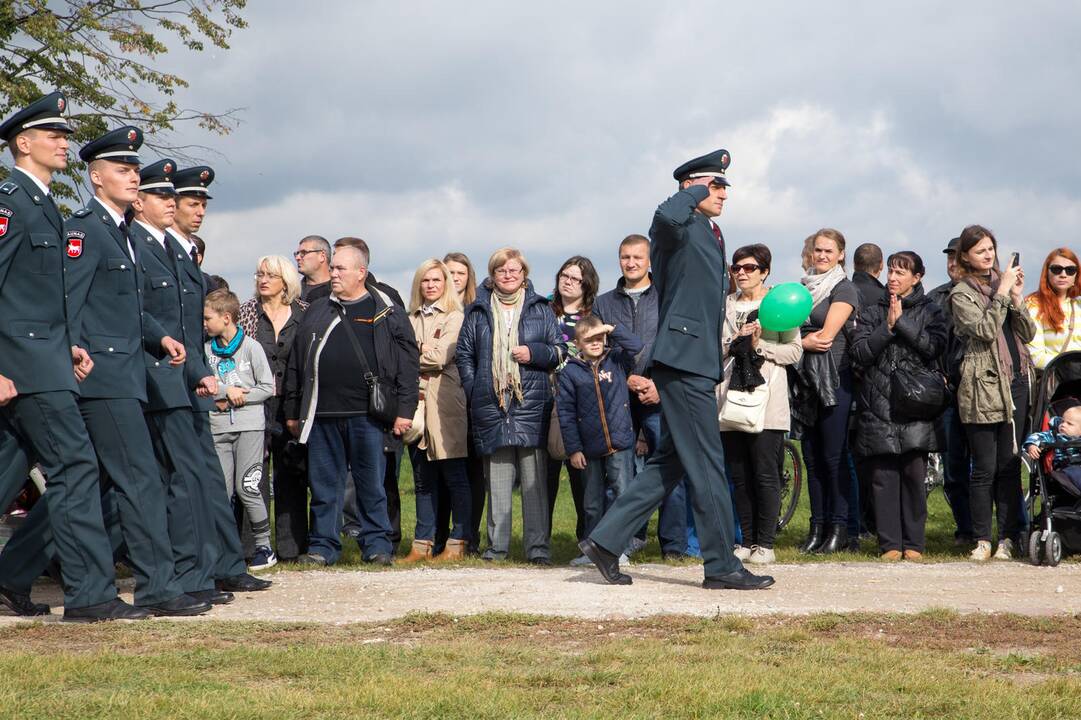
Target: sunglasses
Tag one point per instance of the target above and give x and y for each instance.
(1067, 270)
(745, 267)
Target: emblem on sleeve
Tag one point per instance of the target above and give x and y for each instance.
(75, 246)
(3, 225)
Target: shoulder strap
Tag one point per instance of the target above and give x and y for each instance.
(354, 342)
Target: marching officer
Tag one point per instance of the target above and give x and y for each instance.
(39, 355)
(688, 262)
(106, 317)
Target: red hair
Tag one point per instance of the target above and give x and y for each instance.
(1048, 307)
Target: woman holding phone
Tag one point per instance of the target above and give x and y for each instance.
(992, 396)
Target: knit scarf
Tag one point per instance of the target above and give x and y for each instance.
(820, 286)
(506, 377)
(1005, 361)
(227, 364)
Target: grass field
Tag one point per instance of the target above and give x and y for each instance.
(940, 528)
(933, 665)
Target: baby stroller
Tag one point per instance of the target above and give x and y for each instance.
(1054, 504)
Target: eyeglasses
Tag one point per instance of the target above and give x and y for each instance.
(745, 267)
(570, 278)
(301, 254)
(1067, 270)
(267, 276)
(507, 272)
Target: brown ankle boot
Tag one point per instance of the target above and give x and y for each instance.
(453, 552)
(421, 551)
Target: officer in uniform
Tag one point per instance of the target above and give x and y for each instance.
(689, 270)
(168, 408)
(39, 355)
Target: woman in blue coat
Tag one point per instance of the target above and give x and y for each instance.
(508, 345)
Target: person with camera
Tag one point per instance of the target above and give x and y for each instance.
(352, 377)
(896, 344)
(992, 395)
(272, 318)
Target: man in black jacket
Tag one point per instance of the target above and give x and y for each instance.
(686, 364)
(633, 305)
(866, 268)
(328, 402)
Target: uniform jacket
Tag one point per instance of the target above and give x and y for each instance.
(35, 343)
(689, 274)
(397, 357)
(446, 419)
(192, 293)
(918, 340)
(105, 291)
(983, 391)
(166, 386)
(520, 424)
(778, 350)
(593, 405)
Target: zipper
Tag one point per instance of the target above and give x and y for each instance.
(600, 405)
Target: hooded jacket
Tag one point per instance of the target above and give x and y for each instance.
(520, 424)
(917, 340)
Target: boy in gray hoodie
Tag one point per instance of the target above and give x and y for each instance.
(237, 423)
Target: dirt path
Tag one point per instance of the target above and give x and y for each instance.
(358, 596)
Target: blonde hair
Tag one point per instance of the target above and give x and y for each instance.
(448, 301)
(502, 256)
(278, 265)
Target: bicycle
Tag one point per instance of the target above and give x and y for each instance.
(791, 482)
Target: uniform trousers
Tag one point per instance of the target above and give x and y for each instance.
(900, 499)
(690, 444)
(241, 458)
(51, 426)
(135, 507)
(176, 450)
(527, 466)
(225, 536)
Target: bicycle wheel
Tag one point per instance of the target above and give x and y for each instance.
(791, 482)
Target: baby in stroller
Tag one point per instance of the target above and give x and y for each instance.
(1065, 461)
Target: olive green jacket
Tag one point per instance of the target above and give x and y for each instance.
(983, 394)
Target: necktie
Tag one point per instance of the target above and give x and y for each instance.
(717, 234)
(194, 255)
(123, 226)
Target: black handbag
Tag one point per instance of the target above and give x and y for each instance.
(918, 393)
(382, 396)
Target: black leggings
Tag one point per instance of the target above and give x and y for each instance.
(996, 471)
(754, 464)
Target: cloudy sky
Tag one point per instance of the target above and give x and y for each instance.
(554, 127)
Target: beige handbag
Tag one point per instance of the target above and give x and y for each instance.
(556, 450)
(416, 431)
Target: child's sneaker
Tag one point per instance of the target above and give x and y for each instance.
(264, 558)
(982, 551)
(1004, 551)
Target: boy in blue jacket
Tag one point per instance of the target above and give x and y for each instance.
(594, 413)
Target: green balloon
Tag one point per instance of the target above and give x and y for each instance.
(785, 307)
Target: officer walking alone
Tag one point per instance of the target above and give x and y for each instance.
(688, 261)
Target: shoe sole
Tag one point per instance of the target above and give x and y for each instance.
(266, 566)
(726, 586)
(87, 621)
(181, 613)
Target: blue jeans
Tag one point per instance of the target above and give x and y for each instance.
(613, 471)
(340, 449)
(675, 513)
(428, 477)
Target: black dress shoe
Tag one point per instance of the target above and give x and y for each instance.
(380, 559)
(115, 609)
(21, 604)
(243, 582)
(742, 579)
(214, 597)
(179, 606)
(605, 561)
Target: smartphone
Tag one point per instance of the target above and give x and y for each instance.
(1015, 259)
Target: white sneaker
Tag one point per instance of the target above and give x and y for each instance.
(742, 553)
(264, 558)
(982, 551)
(761, 556)
(1004, 551)
(581, 561)
(624, 560)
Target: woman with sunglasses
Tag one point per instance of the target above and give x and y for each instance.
(752, 457)
(1054, 307)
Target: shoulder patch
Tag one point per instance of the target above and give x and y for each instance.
(8, 188)
(75, 244)
(82, 212)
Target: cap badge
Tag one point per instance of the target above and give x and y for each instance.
(204, 175)
(168, 168)
(60, 104)
(132, 135)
